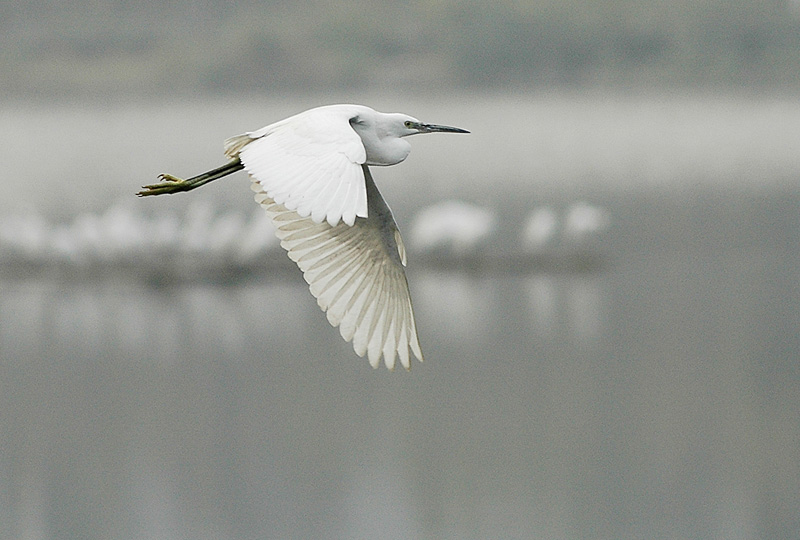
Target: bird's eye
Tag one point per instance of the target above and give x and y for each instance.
(409, 124)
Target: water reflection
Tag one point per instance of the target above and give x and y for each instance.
(549, 405)
(457, 305)
(542, 303)
(569, 306)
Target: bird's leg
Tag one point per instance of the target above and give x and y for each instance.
(173, 184)
(167, 184)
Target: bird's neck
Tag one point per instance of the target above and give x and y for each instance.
(390, 151)
(386, 150)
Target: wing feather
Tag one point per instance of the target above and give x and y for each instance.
(310, 163)
(356, 274)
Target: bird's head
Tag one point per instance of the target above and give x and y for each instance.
(412, 126)
(383, 134)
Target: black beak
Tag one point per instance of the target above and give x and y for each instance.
(433, 128)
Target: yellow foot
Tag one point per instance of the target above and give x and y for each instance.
(167, 184)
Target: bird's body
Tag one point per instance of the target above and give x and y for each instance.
(310, 172)
(332, 126)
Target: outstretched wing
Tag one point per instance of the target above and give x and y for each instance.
(355, 273)
(309, 163)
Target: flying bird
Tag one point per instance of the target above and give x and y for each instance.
(310, 172)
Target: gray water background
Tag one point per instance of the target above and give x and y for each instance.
(654, 396)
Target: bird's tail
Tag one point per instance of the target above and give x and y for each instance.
(235, 144)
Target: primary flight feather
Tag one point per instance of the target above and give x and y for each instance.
(311, 174)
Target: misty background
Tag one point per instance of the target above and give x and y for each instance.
(107, 49)
(605, 274)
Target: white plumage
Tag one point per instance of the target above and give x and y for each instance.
(356, 274)
(310, 163)
(310, 173)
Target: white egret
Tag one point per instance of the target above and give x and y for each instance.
(540, 228)
(311, 174)
(460, 226)
(584, 220)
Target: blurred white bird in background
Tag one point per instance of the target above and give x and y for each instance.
(311, 174)
(458, 226)
(540, 228)
(584, 222)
